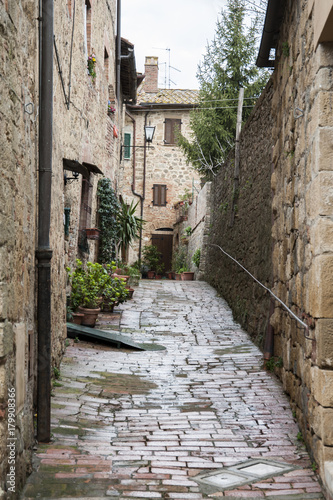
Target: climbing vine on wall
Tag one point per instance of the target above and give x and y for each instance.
(108, 211)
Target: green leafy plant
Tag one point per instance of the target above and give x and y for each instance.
(196, 257)
(179, 258)
(188, 230)
(129, 226)
(273, 363)
(87, 285)
(285, 49)
(151, 257)
(300, 437)
(56, 373)
(91, 66)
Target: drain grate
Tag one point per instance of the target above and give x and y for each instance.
(243, 473)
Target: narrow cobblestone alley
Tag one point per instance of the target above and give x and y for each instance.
(160, 424)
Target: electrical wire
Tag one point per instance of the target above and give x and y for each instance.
(147, 107)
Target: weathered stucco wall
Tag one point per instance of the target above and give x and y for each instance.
(248, 237)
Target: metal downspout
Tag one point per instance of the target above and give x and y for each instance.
(118, 52)
(133, 178)
(44, 252)
(143, 184)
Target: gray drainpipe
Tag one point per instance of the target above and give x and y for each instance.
(118, 51)
(133, 179)
(44, 252)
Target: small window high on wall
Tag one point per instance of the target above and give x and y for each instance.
(87, 27)
(170, 134)
(127, 146)
(159, 195)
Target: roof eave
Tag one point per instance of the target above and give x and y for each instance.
(273, 20)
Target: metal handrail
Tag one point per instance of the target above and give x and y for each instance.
(304, 325)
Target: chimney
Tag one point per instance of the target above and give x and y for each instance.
(151, 74)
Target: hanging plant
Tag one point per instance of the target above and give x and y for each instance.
(108, 212)
(111, 109)
(91, 66)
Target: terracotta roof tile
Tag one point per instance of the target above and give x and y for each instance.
(168, 96)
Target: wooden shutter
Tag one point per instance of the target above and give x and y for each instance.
(169, 130)
(163, 189)
(127, 146)
(159, 195)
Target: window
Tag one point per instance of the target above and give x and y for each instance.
(171, 125)
(159, 195)
(106, 63)
(127, 146)
(87, 27)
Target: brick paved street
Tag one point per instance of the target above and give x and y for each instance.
(150, 424)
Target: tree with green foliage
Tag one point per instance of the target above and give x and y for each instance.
(228, 65)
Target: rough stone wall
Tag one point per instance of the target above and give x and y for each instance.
(165, 164)
(84, 132)
(302, 183)
(198, 219)
(18, 129)
(248, 237)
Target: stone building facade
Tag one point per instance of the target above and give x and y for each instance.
(156, 175)
(86, 145)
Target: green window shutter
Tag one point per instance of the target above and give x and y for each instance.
(127, 146)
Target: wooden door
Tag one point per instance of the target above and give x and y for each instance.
(163, 242)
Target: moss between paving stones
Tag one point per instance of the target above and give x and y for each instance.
(116, 383)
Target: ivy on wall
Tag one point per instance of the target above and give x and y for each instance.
(108, 211)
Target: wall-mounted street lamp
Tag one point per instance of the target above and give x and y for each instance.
(68, 180)
(149, 134)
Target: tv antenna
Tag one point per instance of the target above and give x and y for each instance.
(169, 66)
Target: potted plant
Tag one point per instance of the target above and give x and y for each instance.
(115, 291)
(129, 226)
(87, 289)
(179, 260)
(151, 257)
(186, 274)
(196, 257)
(159, 271)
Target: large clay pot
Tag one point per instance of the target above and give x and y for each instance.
(90, 316)
(187, 276)
(151, 274)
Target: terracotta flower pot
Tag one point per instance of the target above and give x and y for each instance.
(151, 274)
(130, 292)
(77, 318)
(90, 316)
(178, 276)
(187, 276)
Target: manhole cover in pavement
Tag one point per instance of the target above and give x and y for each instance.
(223, 480)
(243, 473)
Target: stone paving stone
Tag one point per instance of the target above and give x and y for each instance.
(133, 425)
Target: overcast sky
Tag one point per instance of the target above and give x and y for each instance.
(183, 26)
